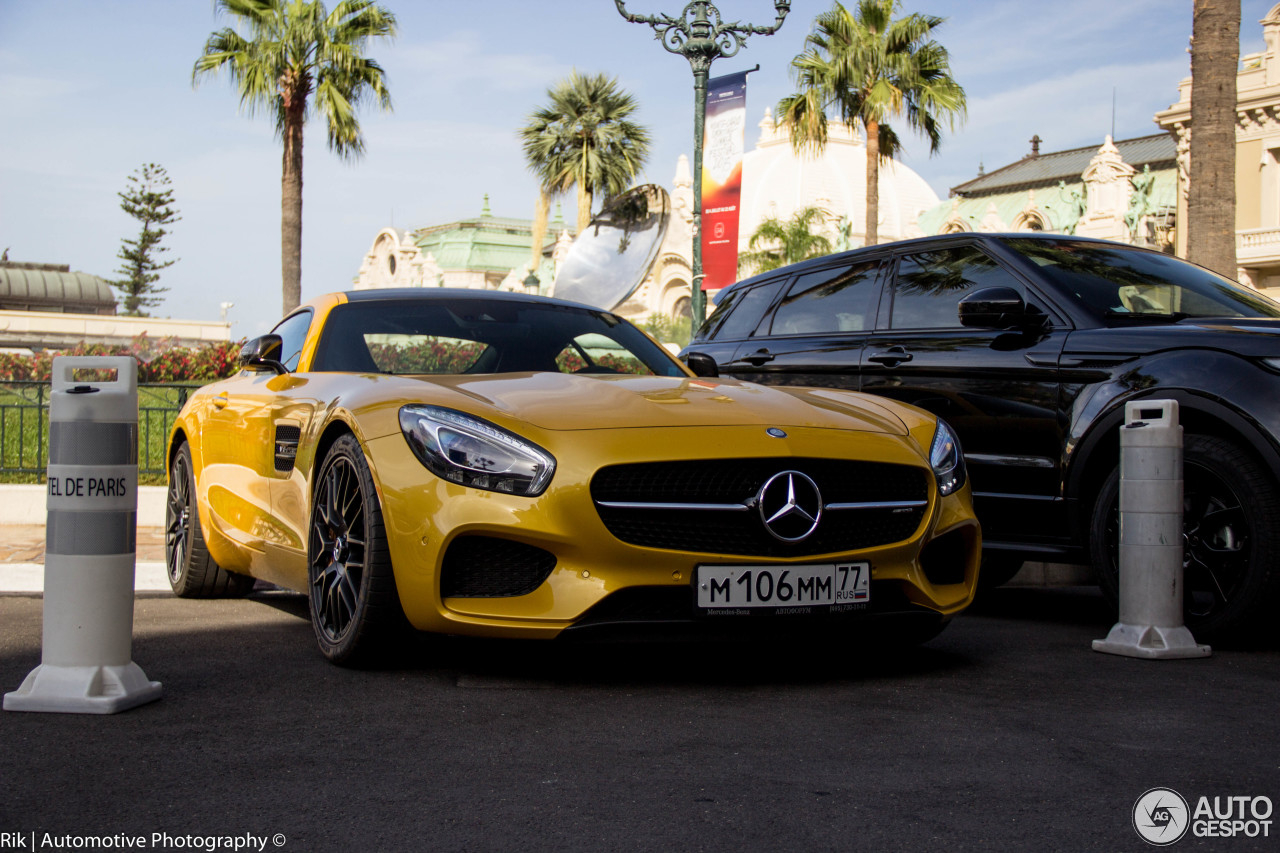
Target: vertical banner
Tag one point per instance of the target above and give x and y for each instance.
(722, 178)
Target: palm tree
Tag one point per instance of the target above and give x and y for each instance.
(1211, 196)
(777, 243)
(867, 68)
(583, 137)
(294, 53)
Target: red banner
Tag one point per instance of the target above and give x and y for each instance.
(722, 178)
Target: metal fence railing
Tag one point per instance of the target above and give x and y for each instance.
(24, 425)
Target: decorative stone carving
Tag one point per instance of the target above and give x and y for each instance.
(955, 224)
(1108, 183)
(395, 261)
(991, 221)
(1031, 217)
(1184, 160)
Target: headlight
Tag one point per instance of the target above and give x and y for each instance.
(467, 450)
(947, 460)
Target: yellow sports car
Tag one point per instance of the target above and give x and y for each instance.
(508, 465)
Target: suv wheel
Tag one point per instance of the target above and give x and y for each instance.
(1231, 538)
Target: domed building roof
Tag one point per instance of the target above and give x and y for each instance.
(776, 181)
(53, 287)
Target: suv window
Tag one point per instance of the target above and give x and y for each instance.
(930, 284)
(1124, 283)
(739, 312)
(839, 299)
(293, 333)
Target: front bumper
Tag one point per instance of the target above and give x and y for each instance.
(598, 580)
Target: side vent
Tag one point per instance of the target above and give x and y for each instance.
(287, 436)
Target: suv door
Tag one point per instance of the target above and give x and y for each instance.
(816, 331)
(999, 388)
(813, 334)
(735, 320)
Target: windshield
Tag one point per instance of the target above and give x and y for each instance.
(1129, 284)
(454, 336)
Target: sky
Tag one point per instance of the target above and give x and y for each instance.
(92, 89)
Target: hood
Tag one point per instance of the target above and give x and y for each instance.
(1246, 336)
(559, 401)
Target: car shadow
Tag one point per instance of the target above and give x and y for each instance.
(609, 660)
(1083, 606)
(1064, 605)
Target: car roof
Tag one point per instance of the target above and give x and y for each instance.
(970, 237)
(441, 294)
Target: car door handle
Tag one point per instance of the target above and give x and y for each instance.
(220, 400)
(757, 358)
(895, 356)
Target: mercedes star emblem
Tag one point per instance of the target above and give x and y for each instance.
(790, 506)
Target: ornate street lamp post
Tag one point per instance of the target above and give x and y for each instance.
(701, 37)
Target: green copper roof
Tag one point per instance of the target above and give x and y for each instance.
(1159, 150)
(483, 244)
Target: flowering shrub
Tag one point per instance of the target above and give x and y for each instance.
(570, 362)
(158, 361)
(426, 357)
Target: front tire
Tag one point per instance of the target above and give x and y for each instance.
(353, 600)
(1231, 538)
(192, 572)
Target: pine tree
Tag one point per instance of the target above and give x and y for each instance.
(148, 199)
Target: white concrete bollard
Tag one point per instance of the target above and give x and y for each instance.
(1151, 541)
(90, 546)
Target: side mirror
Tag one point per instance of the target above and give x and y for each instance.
(994, 308)
(263, 353)
(702, 364)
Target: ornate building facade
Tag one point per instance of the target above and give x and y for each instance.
(1257, 157)
(1123, 191)
(484, 252)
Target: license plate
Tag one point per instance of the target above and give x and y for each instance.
(822, 584)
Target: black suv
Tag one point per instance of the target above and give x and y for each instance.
(1030, 345)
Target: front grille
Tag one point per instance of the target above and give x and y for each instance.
(735, 482)
(485, 567)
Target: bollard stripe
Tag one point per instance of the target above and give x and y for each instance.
(1151, 528)
(1151, 463)
(90, 443)
(71, 533)
(1151, 496)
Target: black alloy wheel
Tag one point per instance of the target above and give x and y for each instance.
(352, 596)
(1231, 525)
(177, 518)
(192, 572)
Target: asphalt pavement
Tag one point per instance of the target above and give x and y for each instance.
(1007, 732)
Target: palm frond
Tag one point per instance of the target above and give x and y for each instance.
(585, 137)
